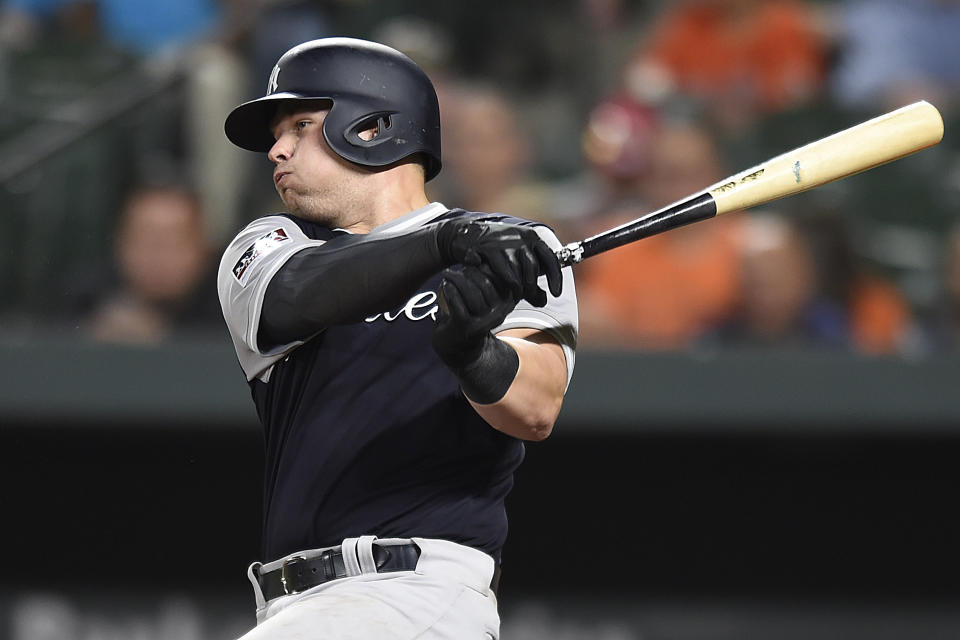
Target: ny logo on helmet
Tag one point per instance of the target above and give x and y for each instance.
(272, 83)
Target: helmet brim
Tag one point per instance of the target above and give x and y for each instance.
(248, 125)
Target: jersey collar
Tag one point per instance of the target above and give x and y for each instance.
(414, 219)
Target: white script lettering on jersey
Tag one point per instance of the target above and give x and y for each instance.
(419, 307)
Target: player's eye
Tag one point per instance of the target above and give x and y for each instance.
(302, 124)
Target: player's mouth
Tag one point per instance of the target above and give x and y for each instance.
(278, 177)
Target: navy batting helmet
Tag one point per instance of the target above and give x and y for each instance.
(368, 84)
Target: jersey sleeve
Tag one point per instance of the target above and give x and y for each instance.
(247, 265)
(558, 317)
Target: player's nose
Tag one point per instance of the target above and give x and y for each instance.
(281, 150)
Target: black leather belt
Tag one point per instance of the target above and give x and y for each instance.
(299, 573)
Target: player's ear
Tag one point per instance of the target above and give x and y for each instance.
(372, 128)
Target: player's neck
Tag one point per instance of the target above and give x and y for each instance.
(395, 195)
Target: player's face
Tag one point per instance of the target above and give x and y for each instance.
(313, 181)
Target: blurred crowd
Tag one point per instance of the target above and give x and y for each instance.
(583, 114)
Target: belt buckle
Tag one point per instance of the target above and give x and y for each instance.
(287, 579)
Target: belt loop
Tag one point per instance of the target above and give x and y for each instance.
(253, 574)
(365, 554)
(350, 561)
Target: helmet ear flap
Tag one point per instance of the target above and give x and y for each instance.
(349, 118)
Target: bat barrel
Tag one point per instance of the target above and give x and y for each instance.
(869, 144)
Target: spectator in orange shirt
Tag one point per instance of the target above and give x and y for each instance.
(665, 291)
(880, 319)
(742, 58)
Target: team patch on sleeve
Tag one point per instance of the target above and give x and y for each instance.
(261, 247)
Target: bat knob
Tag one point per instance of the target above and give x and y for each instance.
(570, 254)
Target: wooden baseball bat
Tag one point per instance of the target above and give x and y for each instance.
(888, 137)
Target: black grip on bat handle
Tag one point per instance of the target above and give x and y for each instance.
(697, 207)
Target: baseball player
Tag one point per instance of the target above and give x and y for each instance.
(398, 353)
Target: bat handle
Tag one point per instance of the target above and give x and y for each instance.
(570, 254)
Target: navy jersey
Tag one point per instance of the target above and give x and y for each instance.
(366, 431)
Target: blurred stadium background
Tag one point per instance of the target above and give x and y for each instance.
(762, 434)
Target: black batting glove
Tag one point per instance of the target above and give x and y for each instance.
(515, 254)
(472, 304)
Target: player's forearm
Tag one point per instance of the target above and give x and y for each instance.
(350, 278)
(345, 280)
(532, 403)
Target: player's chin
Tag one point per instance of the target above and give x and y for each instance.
(290, 200)
(305, 208)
